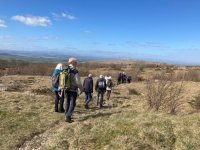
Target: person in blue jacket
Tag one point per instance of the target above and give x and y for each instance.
(59, 97)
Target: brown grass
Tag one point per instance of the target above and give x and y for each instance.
(28, 120)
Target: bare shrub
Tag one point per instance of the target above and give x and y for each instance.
(14, 87)
(139, 67)
(195, 103)
(164, 94)
(133, 92)
(83, 72)
(192, 75)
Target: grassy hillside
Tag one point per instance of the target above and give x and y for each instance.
(126, 122)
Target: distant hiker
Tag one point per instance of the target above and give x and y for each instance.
(129, 79)
(88, 89)
(109, 86)
(55, 82)
(73, 83)
(100, 88)
(123, 77)
(119, 78)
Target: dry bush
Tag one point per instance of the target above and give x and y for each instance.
(192, 75)
(133, 92)
(30, 69)
(164, 94)
(195, 103)
(83, 71)
(14, 87)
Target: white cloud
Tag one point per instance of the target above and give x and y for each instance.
(33, 20)
(68, 16)
(42, 38)
(64, 15)
(2, 24)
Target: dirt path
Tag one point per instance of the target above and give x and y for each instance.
(38, 140)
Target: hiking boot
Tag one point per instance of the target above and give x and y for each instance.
(56, 110)
(86, 106)
(62, 110)
(68, 119)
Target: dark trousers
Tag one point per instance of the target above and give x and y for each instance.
(88, 97)
(100, 98)
(108, 94)
(58, 100)
(71, 103)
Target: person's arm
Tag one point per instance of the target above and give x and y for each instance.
(91, 86)
(78, 82)
(105, 85)
(84, 84)
(96, 86)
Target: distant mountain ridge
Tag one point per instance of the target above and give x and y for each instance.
(42, 56)
(61, 56)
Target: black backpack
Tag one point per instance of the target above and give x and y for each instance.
(101, 84)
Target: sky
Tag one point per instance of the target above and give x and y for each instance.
(160, 30)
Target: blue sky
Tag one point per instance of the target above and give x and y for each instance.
(163, 30)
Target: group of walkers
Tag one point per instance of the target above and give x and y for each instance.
(123, 78)
(66, 82)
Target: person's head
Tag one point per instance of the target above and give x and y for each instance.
(109, 78)
(101, 76)
(90, 75)
(59, 66)
(73, 61)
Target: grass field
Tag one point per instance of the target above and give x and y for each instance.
(29, 122)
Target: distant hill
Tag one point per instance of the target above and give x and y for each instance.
(38, 56)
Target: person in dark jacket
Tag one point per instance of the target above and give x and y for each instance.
(88, 89)
(58, 97)
(129, 79)
(100, 88)
(124, 77)
(119, 78)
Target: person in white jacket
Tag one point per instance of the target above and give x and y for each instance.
(109, 86)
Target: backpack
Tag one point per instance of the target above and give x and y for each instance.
(109, 83)
(101, 84)
(65, 80)
(55, 80)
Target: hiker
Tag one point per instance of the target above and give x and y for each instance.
(100, 88)
(55, 82)
(109, 85)
(124, 77)
(119, 78)
(72, 91)
(129, 79)
(88, 89)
